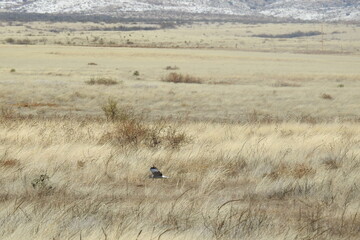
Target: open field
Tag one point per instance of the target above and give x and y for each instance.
(264, 144)
(289, 181)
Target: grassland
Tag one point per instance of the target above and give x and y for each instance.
(264, 146)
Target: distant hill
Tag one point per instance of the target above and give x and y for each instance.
(313, 10)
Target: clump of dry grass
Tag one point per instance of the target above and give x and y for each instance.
(286, 84)
(102, 81)
(181, 78)
(7, 112)
(9, 163)
(326, 96)
(36, 104)
(171, 67)
(260, 117)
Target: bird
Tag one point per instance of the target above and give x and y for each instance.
(156, 173)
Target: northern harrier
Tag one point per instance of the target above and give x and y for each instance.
(156, 173)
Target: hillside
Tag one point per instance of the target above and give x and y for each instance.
(323, 10)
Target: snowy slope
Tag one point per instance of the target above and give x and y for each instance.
(315, 9)
(105, 6)
(298, 9)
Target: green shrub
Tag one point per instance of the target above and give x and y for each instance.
(115, 113)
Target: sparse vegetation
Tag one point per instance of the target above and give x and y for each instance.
(136, 73)
(286, 84)
(296, 34)
(180, 78)
(18, 41)
(102, 81)
(12, 70)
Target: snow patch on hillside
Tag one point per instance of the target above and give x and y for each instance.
(299, 9)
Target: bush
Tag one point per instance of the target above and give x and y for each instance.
(171, 68)
(12, 70)
(130, 129)
(101, 81)
(131, 132)
(136, 73)
(23, 41)
(110, 110)
(326, 96)
(10, 40)
(113, 112)
(135, 132)
(180, 78)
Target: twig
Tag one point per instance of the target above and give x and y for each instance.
(139, 234)
(167, 230)
(225, 203)
(173, 206)
(104, 233)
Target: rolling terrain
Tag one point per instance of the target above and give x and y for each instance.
(324, 10)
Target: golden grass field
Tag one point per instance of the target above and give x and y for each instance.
(265, 147)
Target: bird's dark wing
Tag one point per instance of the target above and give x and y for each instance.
(155, 172)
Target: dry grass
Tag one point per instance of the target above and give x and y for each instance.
(247, 158)
(57, 75)
(60, 180)
(337, 38)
